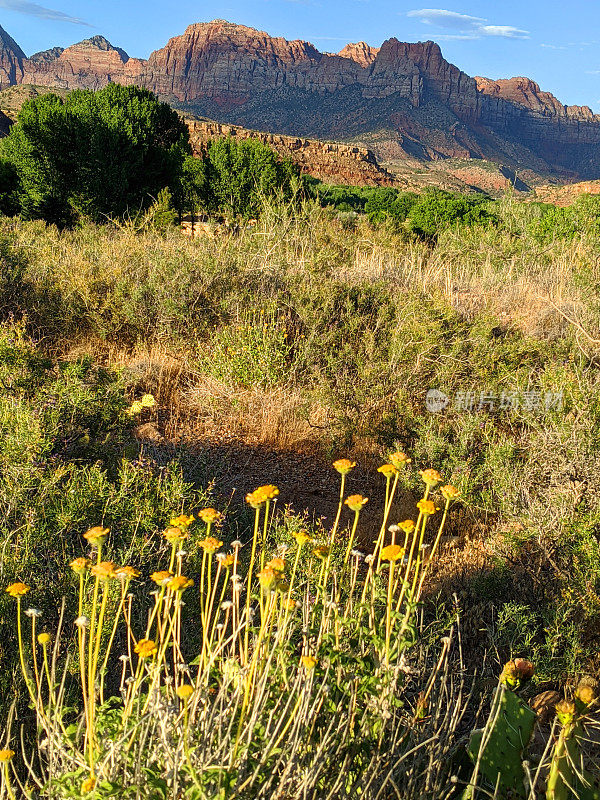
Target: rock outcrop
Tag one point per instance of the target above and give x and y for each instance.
(11, 60)
(90, 64)
(406, 96)
(331, 162)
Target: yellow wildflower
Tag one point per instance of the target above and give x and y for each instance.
(17, 589)
(210, 544)
(44, 639)
(355, 502)
(6, 755)
(260, 496)
(321, 551)
(126, 573)
(96, 535)
(179, 583)
(399, 459)
(278, 564)
(88, 785)
(426, 507)
(407, 526)
(344, 465)
(431, 477)
(388, 470)
(182, 521)
(308, 662)
(184, 692)
(80, 565)
(225, 559)
(211, 516)
(148, 401)
(174, 535)
(301, 537)
(450, 492)
(146, 648)
(161, 577)
(288, 603)
(104, 570)
(392, 552)
(267, 577)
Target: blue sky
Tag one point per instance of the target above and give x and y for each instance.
(556, 44)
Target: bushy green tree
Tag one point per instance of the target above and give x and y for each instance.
(387, 203)
(95, 154)
(9, 188)
(436, 211)
(241, 173)
(191, 196)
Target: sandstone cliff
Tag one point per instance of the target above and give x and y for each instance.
(331, 162)
(407, 97)
(90, 64)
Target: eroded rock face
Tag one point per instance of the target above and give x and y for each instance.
(11, 60)
(360, 52)
(331, 162)
(426, 107)
(90, 64)
(230, 64)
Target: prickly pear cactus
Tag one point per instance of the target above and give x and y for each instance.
(497, 750)
(568, 780)
(501, 761)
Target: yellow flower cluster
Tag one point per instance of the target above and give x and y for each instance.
(179, 583)
(80, 565)
(182, 521)
(431, 477)
(146, 648)
(427, 507)
(210, 544)
(211, 516)
(344, 465)
(174, 535)
(355, 502)
(260, 496)
(104, 571)
(96, 535)
(17, 589)
(392, 552)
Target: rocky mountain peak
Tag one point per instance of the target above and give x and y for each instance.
(11, 60)
(360, 52)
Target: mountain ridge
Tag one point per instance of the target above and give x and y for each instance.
(430, 109)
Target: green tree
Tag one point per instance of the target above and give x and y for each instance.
(95, 154)
(191, 196)
(241, 173)
(438, 210)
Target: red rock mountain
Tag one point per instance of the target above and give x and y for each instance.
(402, 99)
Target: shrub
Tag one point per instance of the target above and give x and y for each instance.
(240, 174)
(437, 211)
(94, 154)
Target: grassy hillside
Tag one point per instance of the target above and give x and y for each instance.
(270, 353)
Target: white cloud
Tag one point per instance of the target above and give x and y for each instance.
(35, 10)
(446, 19)
(507, 31)
(466, 26)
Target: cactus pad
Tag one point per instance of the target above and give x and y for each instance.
(501, 762)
